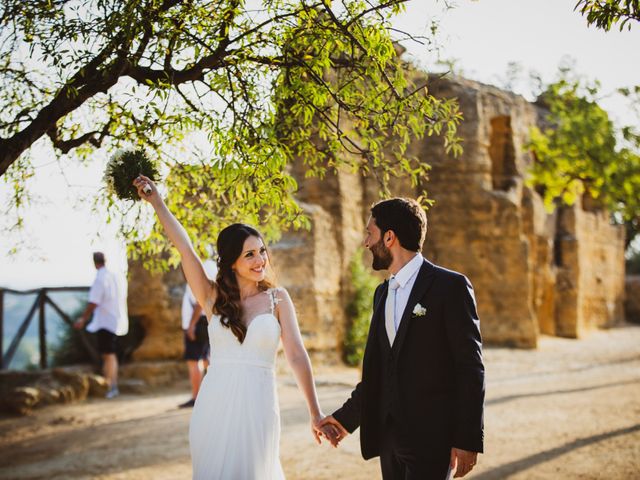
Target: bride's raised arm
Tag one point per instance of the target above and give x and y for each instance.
(192, 265)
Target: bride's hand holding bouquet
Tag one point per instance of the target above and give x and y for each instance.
(146, 189)
(127, 166)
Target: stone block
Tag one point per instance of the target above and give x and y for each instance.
(133, 385)
(78, 383)
(156, 301)
(20, 400)
(154, 373)
(98, 385)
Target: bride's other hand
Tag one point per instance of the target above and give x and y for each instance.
(146, 188)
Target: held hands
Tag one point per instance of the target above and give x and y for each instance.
(329, 428)
(463, 461)
(319, 431)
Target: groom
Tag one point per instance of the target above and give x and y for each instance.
(419, 405)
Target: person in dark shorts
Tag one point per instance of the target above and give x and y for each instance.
(196, 337)
(105, 307)
(107, 342)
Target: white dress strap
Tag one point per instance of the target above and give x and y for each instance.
(273, 299)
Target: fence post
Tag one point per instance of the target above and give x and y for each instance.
(43, 330)
(1, 329)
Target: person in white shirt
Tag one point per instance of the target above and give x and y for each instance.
(105, 305)
(196, 338)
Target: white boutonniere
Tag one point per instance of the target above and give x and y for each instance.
(419, 311)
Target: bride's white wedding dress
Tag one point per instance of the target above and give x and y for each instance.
(235, 425)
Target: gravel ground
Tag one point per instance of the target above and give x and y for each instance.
(570, 409)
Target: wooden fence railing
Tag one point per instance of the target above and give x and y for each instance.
(42, 299)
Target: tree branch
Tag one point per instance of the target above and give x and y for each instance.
(66, 145)
(348, 34)
(88, 80)
(374, 8)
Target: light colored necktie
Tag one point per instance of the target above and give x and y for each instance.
(390, 310)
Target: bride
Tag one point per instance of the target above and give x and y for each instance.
(235, 425)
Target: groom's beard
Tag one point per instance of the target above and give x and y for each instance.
(382, 257)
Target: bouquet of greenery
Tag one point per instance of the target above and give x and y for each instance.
(123, 168)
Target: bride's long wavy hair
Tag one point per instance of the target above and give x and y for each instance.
(227, 305)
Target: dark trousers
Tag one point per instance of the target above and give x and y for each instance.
(403, 459)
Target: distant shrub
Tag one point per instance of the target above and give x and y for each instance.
(362, 287)
(71, 350)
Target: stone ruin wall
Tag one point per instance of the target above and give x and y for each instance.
(594, 271)
(558, 273)
(155, 301)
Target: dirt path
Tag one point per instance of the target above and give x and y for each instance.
(569, 410)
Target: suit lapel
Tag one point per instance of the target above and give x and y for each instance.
(377, 320)
(425, 277)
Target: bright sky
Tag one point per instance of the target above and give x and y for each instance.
(481, 36)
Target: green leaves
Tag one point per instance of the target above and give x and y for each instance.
(279, 82)
(579, 153)
(605, 14)
(363, 286)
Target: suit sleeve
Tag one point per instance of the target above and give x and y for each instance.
(465, 341)
(350, 413)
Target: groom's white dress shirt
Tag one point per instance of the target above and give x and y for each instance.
(406, 277)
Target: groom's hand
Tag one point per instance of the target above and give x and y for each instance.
(319, 430)
(339, 432)
(463, 461)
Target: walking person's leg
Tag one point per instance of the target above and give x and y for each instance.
(110, 369)
(194, 356)
(107, 346)
(195, 376)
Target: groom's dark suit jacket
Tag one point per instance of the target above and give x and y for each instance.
(431, 383)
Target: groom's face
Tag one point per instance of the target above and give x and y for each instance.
(374, 241)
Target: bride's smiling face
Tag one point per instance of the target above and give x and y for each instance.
(252, 263)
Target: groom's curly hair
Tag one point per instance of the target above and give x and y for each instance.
(227, 304)
(405, 217)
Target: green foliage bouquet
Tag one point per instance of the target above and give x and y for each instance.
(123, 168)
